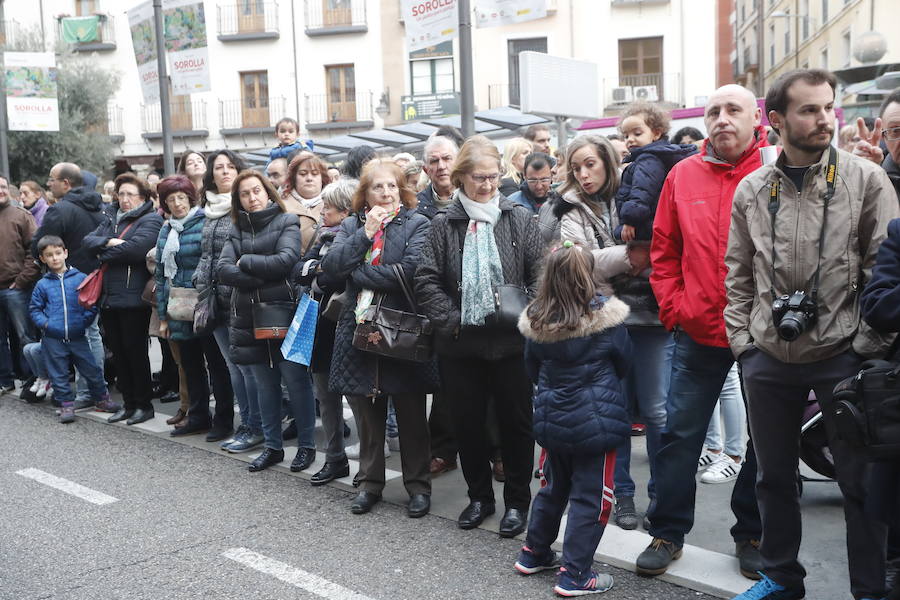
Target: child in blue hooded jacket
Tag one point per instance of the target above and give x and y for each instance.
(577, 352)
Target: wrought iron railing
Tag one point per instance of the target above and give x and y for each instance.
(243, 113)
(320, 109)
(256, 16)
(324, 15)
(186, 116)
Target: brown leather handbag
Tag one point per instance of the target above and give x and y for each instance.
(271, 320)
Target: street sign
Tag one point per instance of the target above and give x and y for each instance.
(429, 106)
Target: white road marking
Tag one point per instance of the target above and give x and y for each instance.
(296, 577)
(69, 487)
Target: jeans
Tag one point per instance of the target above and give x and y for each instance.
(92, 333)
(302, 399)
(243, 383)
(390, 424)
(648, 383)
(59, 354)
(34, 356)
(698, 374)
(731, 401)
(14, 312)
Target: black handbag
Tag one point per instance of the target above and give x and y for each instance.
(866, 410)
(509, 302)
(205, 311)
(395, 333)
(272, 319)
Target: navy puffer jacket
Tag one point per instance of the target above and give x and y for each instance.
(642, 182)
(186, 259)
(579, 407)
(880, 300)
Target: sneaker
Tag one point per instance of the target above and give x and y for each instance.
(706, 459)
(626, 516)
(107, 405)
(747, 552)
(766, 589)
(7, 389)
(85, 404)
(596, 583)
(45, 389)
(248, 441)
(529, 563)
(638, 429)
(67, 413)
(656, 557)
(237, 435)
(37, 386)
(723, 470)
(352, 452)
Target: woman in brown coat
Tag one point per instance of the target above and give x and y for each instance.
(302, 195)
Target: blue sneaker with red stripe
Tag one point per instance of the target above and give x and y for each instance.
(595, 583)
(530, 563)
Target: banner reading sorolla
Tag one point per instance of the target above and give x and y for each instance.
(186, 46)
(429, 22)
(31, 103)
(491, 13)
(140, 20)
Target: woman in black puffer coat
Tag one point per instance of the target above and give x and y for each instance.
(384, 231)
(257, 260)
(121, 242)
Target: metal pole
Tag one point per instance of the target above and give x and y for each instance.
(296, 71)
(466, 83)
(562, 134)
(4, 125)
(164, 108)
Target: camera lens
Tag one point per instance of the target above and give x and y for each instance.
(792, 325)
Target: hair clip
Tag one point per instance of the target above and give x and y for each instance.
(568, 244)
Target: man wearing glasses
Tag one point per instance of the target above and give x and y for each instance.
(535, 188)
(887, 127)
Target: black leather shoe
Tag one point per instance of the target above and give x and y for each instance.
(513, 523)
(140, 415)
(474, 514)
(305, 457)
(364, 502)
(217, 434)
(419, 505)
(265, 460)
(170, 397)
(330, 472)
(121, 415)
(190, 429)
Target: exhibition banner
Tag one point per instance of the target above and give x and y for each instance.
(429, 22)
(184, 22)
(140, 20)
(491, 13)
(31, 101)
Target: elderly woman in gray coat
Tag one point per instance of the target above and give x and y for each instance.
(384, 231)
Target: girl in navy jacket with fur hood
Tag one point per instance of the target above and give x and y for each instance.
(577, 353)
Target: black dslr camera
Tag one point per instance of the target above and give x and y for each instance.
(793, 314)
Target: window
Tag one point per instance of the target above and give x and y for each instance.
(772, 46)
(787, 39)
(255, 99)
(337, 12)
(85, 8)
(804, 19)
(432, 76)
(743, 11)
(846, 51)
(824, 11)
(823, 58)
(340, 80)
(251, 16)
(514, 47)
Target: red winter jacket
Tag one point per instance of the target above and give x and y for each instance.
(690, 236)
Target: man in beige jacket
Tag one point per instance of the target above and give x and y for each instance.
(807, 229)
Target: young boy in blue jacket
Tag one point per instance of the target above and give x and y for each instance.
(55, 310)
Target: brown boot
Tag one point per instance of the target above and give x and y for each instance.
(175, 419)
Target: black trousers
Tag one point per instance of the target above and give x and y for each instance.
(440, 425)
(776, 395)
(168, 374)
(200, 356)
(470, 382)
(125, 334)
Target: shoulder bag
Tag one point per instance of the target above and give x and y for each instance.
(272, 319)
(90, 290)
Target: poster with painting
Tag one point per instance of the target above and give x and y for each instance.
(140, 20)
(31, 103)
(186, 46)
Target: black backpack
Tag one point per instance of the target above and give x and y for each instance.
(866, 409)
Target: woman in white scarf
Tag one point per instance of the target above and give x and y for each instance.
(302, 194)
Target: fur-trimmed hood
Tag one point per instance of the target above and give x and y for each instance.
(613, 312)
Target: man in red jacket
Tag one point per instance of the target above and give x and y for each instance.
(690, 235)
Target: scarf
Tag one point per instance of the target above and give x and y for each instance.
(373, 257)
(217, 205)
(304, 202)
(120, 214)
(481, 266)
(173, 243)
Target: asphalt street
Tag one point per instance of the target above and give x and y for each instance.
(186, 523)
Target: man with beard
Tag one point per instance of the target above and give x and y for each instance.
(805, 229)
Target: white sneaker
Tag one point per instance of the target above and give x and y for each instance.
(722, 471)
(38, 384)
(48, 390)
(352, 452)
(706, 459)
(43, 389)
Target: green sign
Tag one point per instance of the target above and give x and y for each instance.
(429, 106)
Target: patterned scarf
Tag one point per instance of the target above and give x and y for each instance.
(481, 266)
(173, 243)
(373, 257)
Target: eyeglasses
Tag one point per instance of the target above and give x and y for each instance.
(384, 186)
(479, 179)
(891, 134)
(128, 194)
(539, 180)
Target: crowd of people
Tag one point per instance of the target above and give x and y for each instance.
(568, 295)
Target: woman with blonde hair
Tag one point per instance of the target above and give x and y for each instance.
(513, 164)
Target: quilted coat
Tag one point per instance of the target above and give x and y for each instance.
(216, 233)
(126, 273)
(579, 407)
(363, 373)
(267, 243)
(54, 307)
(187, 258)
(439, 278)
(880, 300)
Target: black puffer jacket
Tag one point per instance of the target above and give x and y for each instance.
(77, 214)
(439, 277)
(126, 273)
(363, 373)
(267, 243)
(216, 233)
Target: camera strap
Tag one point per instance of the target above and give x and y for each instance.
(775, 203)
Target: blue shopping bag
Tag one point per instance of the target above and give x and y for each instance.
(298, 343)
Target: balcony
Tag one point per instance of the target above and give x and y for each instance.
(241, 116)
(105, 39)
(323, 114)
(248, 20)
(115, 119)
(333, 17)
(503, 94)
(188, 119)
(664, 88)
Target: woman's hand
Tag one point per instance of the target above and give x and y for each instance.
(373, 220)
(627, 233)
(114, 242)
(639, 258)
(164, 329)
